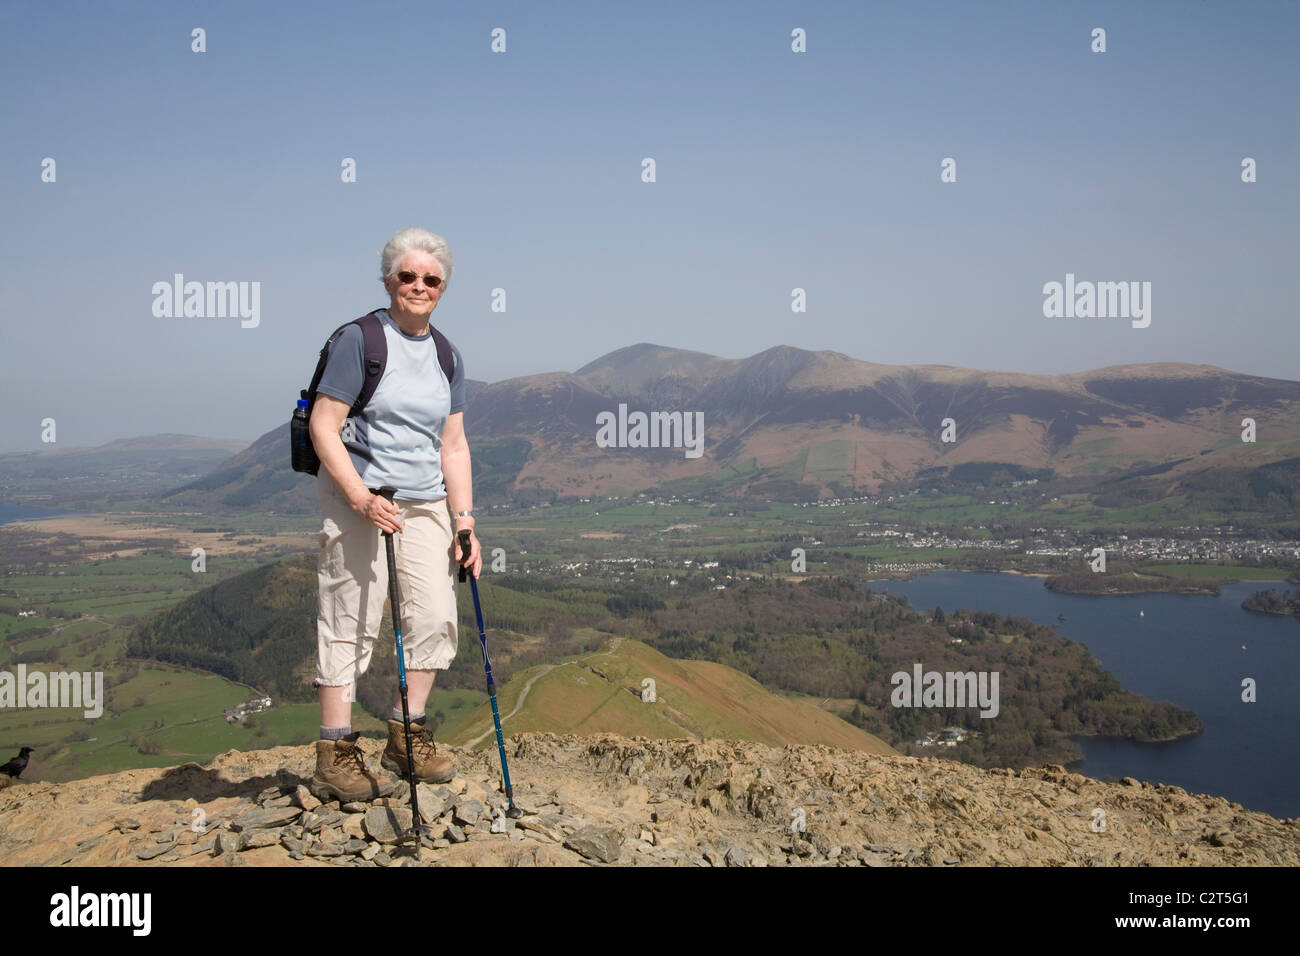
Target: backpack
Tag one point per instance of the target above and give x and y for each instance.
(376, 358)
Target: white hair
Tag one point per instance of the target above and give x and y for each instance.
(412, 239)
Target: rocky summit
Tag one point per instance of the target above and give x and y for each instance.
(614, 801)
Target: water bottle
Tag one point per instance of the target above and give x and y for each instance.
(303, 451)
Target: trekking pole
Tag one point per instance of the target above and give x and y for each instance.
(417, 825)
(514, 812)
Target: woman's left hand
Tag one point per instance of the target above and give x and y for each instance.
(475, 559)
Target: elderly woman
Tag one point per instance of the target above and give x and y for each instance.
(409, 436)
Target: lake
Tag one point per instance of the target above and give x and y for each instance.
(1193, 650)
(11, 512)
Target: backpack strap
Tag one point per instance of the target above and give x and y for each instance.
(376, 357)
(446, 358)
(373, 362)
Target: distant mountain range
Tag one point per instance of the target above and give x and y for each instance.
(791, 424)
(93, 478)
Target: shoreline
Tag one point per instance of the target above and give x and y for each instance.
(1257, 610)
(1202, 592)
(906, 576)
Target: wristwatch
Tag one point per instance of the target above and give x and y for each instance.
(464, 514)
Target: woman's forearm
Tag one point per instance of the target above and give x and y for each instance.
(456, 473)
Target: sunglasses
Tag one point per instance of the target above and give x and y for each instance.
(431, 280)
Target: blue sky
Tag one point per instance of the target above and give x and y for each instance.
(775, 170)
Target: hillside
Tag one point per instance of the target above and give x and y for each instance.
(601, 693)
(819, 639)
(253, 628)
(257, 627)
(793, 425)
(606, 799)
(122, 470)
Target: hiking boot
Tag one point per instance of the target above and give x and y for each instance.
(429, 766)
(341, 772)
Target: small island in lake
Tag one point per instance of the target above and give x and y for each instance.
(1128, 582)
(1270, 602)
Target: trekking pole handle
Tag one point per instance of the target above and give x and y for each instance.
(387, 492)
(462, 538)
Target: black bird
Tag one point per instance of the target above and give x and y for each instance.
(18, 764)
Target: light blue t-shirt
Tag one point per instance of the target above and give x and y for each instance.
(397, 437)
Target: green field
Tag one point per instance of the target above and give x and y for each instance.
(829, 462)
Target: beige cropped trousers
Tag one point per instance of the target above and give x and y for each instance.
(352, 572)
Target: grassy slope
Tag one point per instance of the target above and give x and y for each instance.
(600, 692)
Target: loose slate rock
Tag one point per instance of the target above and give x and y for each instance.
(314, 820)
(325, 849)
(528, 803)
(596, 843)
(387, 824)
(737, 856)
(252, 839)
(331, 816)
(226, 843)
(432, 806)
(539, 828)
(149, 852)
(455, 834)
(265, 817)
(468, 811)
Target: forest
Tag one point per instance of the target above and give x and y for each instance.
(1124, 580)
(1271, 602)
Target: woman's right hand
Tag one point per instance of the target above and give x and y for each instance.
(376, 509)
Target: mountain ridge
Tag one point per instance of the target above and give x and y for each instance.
(868, 426)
